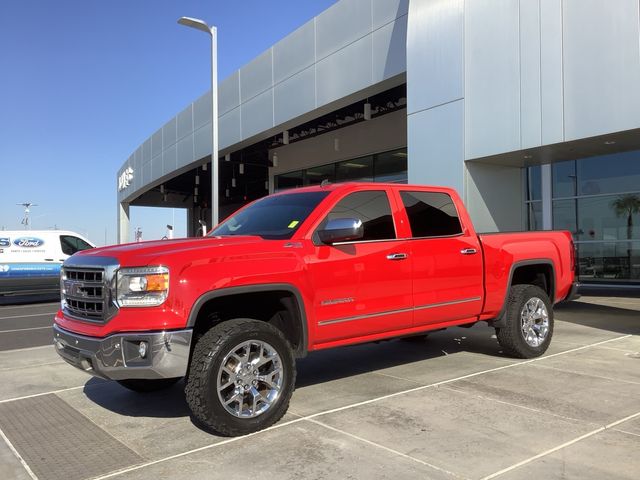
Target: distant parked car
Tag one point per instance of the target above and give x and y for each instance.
(30, 260)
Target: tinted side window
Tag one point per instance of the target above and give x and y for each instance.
(431, 214)
(71, 245)
(68, 245)
(372, 208)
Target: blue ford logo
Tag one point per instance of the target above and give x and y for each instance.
(28, 242)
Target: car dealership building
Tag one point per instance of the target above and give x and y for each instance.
(529, 108)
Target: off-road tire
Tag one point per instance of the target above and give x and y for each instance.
(510, 335)
(141, 385)
(201, 388)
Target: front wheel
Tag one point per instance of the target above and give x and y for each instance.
(241, 378)
(528, 322)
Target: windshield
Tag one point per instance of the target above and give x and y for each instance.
(273, 218)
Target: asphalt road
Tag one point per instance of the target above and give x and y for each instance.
(26, 325)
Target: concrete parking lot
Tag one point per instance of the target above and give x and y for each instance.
(450, 407)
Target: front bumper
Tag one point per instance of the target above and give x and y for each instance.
(117, 356)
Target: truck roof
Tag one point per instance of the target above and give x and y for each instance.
(349, 185)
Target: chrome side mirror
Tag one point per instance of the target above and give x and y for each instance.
(341, 230)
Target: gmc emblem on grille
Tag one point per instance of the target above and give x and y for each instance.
(75, 289)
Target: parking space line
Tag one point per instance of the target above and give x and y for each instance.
(354, 405)
(603, 347)
(495, 400)
(62, 390)
(625, 431)
(17, 455)
(560, 447)
(27, 348)
(470, 375)
(25, 329)
(30, 315)
(390, 450)
(5, 369)
(558, 369)
(31, 305)
(195, 450)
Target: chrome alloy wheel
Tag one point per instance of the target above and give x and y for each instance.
(534, 319)
(249, 379)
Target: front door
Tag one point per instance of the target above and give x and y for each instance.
(362, 287)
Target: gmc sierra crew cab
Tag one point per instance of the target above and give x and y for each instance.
(298, 271)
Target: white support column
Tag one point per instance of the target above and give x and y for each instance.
(547, 218)
(123, 223)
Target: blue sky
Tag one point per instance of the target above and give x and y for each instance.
(84, 82)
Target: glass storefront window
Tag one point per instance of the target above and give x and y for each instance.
(534, 215)
(598, 200)
(534, 183)
(289, 180)
(317, 175)
(609, 262)
(564, 179)
(356, 170)
(619, 172)
(610, 217)
(564, 216)
(382, 167)
(391, 166)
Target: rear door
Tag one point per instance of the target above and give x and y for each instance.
(362, 287)
(446, 259)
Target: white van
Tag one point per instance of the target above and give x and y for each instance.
(30, 260)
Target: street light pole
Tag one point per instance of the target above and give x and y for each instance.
(213, 33)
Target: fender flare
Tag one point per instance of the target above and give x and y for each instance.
(301, 350)
(499, 320)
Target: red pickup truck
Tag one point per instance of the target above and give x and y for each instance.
(299, 271)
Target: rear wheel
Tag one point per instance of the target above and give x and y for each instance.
(528, 322)
(241, 378)
(144, 386)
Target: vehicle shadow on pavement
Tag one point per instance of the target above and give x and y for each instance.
(603, 317)
(345, 362)
(168, 403)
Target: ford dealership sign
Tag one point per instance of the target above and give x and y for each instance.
(28, 242)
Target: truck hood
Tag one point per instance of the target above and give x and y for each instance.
(161, 251)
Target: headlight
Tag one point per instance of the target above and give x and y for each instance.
(142, 287)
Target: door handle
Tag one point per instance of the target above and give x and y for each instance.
(468, 251)
(397, 256)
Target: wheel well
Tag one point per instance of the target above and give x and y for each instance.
(539, 274)
(279, 308)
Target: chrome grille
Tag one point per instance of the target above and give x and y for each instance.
(85, 293)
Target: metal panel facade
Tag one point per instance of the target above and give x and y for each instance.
(295, 96)
(341, 24)
(436, 153)
(351, 46)
(294, 53)
(492, 77)
(434, 53)
(601, 67)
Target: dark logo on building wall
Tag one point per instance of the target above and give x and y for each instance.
(5, 242)
(28, 242)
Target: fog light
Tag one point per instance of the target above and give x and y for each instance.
(142, 349)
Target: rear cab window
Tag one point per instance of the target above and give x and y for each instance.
(431, 214)
(372, 207)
